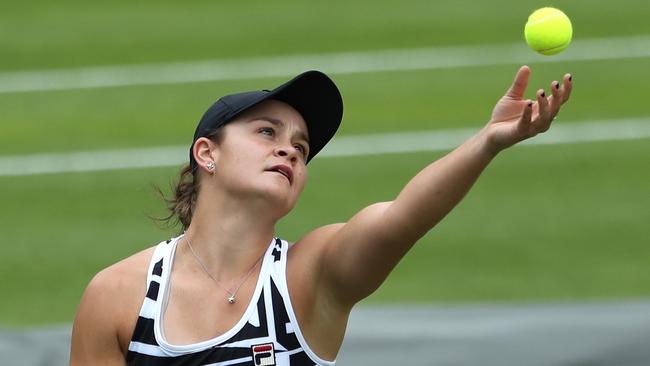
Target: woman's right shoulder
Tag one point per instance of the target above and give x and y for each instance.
(124, 282)
(109, 309)
(129, 274)
(120, 283)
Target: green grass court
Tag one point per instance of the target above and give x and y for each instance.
(544, 223)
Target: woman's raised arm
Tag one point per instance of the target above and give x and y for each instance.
(362, 252)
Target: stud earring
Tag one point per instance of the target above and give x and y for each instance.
(210, 165)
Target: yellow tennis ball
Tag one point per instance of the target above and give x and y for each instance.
(548, 31)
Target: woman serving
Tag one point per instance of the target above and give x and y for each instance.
(227, 291)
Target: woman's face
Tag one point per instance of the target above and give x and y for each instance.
(263, 153)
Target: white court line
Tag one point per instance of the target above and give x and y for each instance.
(355, 145)
(332, 63)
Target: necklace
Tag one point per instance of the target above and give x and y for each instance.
(233, 295)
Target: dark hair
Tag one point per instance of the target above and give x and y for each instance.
(185, 191)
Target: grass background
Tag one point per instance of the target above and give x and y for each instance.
(545, 223)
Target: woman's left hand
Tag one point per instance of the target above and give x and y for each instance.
(515, 119)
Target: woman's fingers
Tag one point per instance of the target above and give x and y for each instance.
(543, 121)
(559, 95)
(523, 124)
(520, 83)
(555, 100)
(537, 117)
(567, 85)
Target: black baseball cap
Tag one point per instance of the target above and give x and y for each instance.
(312, 93)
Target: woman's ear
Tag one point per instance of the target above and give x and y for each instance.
(205, 153)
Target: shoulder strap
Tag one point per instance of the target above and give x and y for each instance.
(156, 262)
(279, 276)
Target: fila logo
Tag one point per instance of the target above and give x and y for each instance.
(263, 354)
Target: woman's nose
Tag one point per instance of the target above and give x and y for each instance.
(286, 151)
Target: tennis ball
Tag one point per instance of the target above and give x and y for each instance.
(548, 31)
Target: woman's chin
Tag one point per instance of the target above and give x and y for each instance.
(278, 194)
(274, 193)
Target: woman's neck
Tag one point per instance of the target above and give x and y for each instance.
(229, 237)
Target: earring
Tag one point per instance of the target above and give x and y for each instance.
(210, 165)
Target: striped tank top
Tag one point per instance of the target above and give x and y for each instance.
(267, 334)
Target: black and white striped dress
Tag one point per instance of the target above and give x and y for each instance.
(267, 334)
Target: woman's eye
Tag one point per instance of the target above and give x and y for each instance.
(302, 150)
(266, 131)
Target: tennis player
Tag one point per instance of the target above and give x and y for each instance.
(228, 291)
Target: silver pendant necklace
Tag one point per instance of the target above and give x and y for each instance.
(233, 295)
